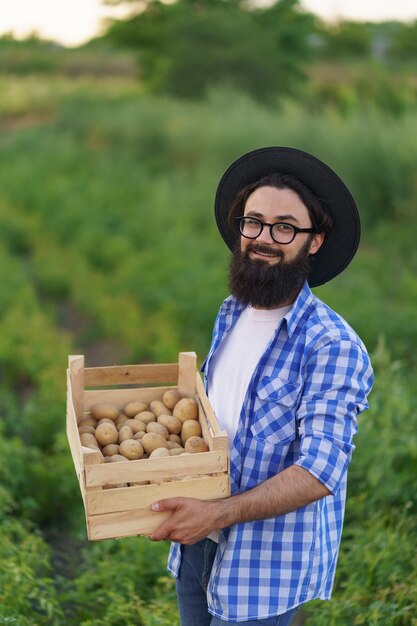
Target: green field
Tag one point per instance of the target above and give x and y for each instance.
(108, 248)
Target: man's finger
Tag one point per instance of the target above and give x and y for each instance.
(160, 534)
(169, 504)
(163, 531)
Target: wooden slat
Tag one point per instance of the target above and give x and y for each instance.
(144, 521)
(72, 431)
(206, 430)
(91, 456)
(155, 469)
(221, 443)
(76, 372)
(131, 374)
(120, 397)
(187, 366)
(208, 411)
(124, 524)
(216, 438)
(130, 498)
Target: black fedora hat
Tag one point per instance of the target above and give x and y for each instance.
(339, 247)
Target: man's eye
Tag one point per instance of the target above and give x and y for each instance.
(283, 228)
(250, 222)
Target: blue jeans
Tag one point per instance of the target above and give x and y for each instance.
(192, 582)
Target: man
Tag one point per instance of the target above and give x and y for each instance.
(287, 378)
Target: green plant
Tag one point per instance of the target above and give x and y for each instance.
(109, 249)
(117, 580)
(27, 591)
(376, 581)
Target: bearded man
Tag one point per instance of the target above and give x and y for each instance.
(287, 378)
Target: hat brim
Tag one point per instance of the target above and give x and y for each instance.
(340, 246)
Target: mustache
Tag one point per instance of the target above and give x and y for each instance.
(262, 249)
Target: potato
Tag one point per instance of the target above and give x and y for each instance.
(88, 421)
(105, 420)
(158, 408)
(176, 451)
(136, 425)
(106, 433)
(121, 419)
(116, 458)
(173, 424)
(105, 410)
(146, 417)
(190, 428)
(154, 427)
(133, 408)
(172, 444)
(175, 438)
(139, 435)
(125, 433)
(186, 409)
(110, 449)
(195, 444)
(86, 430)
(131, 449)
(171, 397)
(89, 441)
(158, 453)
(151, 441)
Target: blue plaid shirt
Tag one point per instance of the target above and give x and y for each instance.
(300, 408)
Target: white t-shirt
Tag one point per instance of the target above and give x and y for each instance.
(235, 362)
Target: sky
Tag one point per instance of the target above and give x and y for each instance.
(73, 22)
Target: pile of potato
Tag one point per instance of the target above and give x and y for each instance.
(141, 430)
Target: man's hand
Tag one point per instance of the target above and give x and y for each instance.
(191, 520)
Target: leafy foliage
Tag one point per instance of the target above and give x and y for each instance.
(186, 47)
(108, 247)
(27, 591)
(404, 42)
(377, 574)
(346, 39)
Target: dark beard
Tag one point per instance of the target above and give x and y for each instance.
(265, 286)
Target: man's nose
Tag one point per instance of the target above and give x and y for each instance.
(265, 235)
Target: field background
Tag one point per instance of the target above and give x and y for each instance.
(108, 248)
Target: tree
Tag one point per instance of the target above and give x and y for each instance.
(186, 47)
(404, 42)
(346, 39)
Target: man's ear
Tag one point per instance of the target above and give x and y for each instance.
(316, 243)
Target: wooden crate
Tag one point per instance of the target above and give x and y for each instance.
(120, 511)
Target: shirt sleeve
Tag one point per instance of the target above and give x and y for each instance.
(338, 379)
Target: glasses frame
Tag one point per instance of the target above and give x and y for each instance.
(262, 225)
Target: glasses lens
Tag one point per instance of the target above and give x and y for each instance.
(250, 227)
(282, 233)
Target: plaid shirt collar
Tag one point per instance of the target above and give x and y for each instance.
(300, 311)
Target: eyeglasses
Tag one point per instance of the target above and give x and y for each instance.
(281, 232)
